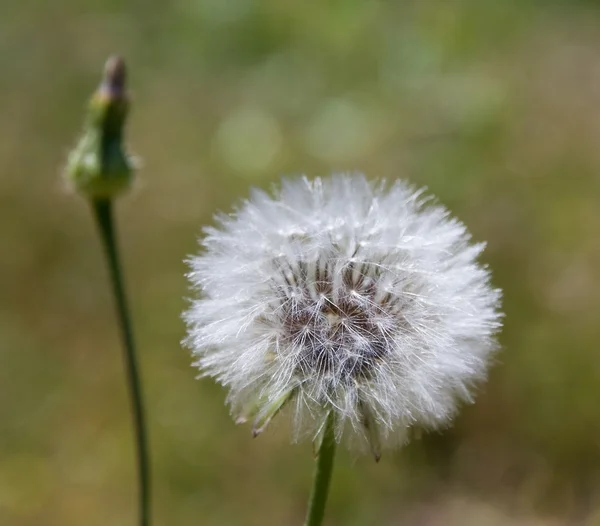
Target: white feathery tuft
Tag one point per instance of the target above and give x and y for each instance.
(343, 295)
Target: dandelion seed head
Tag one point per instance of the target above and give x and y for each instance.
(344, 295)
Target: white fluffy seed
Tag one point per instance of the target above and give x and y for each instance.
(348, 296)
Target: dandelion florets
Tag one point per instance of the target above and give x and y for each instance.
(345, 296)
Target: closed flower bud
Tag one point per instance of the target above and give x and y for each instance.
(344, 297)
(99, 166)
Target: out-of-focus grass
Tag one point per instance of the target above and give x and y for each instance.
(492, 105)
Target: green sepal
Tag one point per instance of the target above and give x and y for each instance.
(268, 410)
(370, 428)
(318, 440)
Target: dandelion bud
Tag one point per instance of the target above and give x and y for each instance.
(99, 166)
(344, 297)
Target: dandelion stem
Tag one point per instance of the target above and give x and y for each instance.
(318, 497)
(103, 214)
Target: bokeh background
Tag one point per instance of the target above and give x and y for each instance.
(493, 105)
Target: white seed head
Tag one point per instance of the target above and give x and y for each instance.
(342, 295)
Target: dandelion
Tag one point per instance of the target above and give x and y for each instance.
(361, 306)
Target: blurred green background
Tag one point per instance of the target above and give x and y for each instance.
(492, 104)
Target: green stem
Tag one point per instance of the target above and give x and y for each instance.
(103, 213)
(318, 497)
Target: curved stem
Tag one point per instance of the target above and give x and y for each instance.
(318, 497)
(103, 213)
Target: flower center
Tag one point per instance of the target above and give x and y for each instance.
(336, 323)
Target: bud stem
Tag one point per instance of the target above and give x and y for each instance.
(318, 497)
(103, 214)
